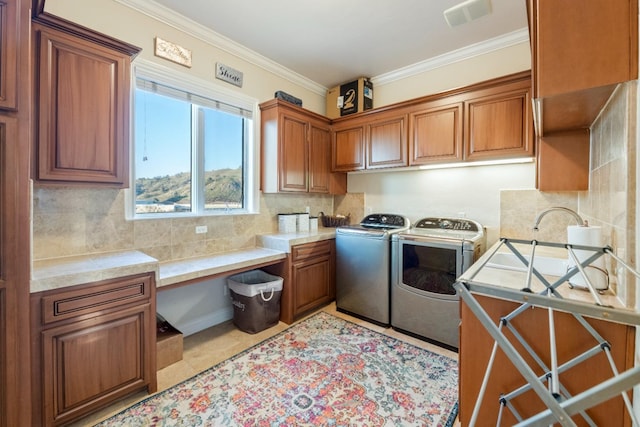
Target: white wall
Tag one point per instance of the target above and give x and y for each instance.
(470, 191)
(204, 305)
(463, 70)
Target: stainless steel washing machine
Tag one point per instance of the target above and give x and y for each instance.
(427, 260)
(363, 266)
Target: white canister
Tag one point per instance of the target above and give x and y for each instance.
(596, 271)
(302, 221)
(287, 223)
(313, 223)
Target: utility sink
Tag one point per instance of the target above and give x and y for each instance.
(545, 265)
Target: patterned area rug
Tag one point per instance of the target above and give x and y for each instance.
(324, 371)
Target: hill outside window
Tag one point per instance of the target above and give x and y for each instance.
(192, 151)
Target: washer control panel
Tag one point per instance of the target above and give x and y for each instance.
(384, 221)
(457, 224)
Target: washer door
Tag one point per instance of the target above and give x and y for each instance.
(429, 268)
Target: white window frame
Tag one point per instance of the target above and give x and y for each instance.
(155, 72)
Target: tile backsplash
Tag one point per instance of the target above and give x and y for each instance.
(611, 199)
(519, 208)
(76, 221)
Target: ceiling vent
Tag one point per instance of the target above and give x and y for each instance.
(467, 11)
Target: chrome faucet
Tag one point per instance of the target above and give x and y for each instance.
(578, 218)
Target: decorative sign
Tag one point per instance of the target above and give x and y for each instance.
(172, 52)
(228, 74)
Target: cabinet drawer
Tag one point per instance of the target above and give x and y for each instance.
(96, 297)
(310, 250)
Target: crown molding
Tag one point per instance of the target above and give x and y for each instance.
(468, 52)
(188, 26)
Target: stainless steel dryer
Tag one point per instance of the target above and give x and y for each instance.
(363, 266)
(427, 260)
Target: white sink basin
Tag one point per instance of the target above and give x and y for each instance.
(544, 265)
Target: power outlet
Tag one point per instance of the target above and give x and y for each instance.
(201, 229)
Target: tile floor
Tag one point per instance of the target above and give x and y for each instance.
(213, 345)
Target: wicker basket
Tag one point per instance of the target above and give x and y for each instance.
(334, 221)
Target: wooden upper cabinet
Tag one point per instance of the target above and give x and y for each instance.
(376, 140)
(485, 121)
(577, 48)
(295, 151)
(579, 55)
(387, 141)
(82, 116)
(9, 62)
(563, 161)
(498, 122)
(435, 133)
(348, 147)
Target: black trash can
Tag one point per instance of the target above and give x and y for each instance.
(255, 296)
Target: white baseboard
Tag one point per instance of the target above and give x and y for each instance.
(203, 322)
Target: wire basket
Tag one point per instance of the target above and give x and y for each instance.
(334, 220)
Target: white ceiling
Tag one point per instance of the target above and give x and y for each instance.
(336, 41)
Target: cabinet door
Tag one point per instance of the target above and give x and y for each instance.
(293, 153)
(313, 283)
(9, 62)
(319, 158)
(387, 143)
(499, 123)
(312, 275)
(321, 179)
(435, 134)
(576, 48)
(92, 362)
(82, 110)
(563, 161)
(579, 55)
(347, 148)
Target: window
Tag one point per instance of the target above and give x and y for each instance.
(192, 149)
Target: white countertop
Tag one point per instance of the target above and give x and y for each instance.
(517, 280)
(76, 270)
(172, 272)
(284, 242)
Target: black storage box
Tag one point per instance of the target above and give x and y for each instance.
(349, 98)
(255, 296)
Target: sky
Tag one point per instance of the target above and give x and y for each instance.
(163, 146)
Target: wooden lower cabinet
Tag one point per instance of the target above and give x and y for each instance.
(572, 339)
(309, 278)
(96, 344)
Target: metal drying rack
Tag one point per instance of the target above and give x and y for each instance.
(561, 406)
